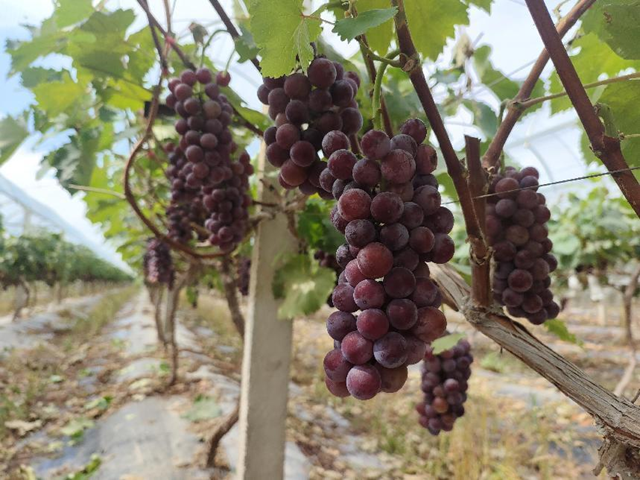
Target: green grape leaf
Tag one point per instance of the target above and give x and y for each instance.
(13, 132)
(245, 45)
(70, 12)
(350, 28)
(446, 343)
(33, 76)
(283, 34)
(503, 87)
(483, 4)
(316, 228)
(302, 285)
(379, 37)
(56, 97)
(25, 53)
(560, 330)
(616, 22)
(484, 117)
(432, 22)
(622, 98)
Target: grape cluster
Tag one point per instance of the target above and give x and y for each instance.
(389, 210)
(305, 108)
(158, 264)
(515, 223)
(208, 179)
(243, 273)
(444, 383)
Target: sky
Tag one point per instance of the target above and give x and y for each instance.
(539, 139)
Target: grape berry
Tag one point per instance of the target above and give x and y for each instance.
(158, 264)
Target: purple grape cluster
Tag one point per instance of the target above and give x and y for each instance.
(243, 275)
(516, 229)
(305, 108)
(158, 264)
(444, 383)
(389, 210)
(206, 174)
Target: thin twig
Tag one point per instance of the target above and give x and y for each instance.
(605, 147)
(154, 35)
(168, 38)
(492, 155)
(373, 77)
(534, 101)
(233, 31)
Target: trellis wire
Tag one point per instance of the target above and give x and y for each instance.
(567, 180)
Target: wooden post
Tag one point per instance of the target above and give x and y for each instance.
(267, 351)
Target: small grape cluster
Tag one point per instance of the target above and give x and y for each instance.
(305, 108)
(206, 175)
(389, 210)
(515, 223)
(243, 273)
(444, 383)
(158, 264)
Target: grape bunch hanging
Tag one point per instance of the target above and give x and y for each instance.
(158, 264)
(243, 275)
(207, 173)
(389, 210)
(306, 108)
(516, 229)
(444, 383)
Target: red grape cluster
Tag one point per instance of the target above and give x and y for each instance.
(243, 273)
(305, 108)
(516, 230)
(206, 173)
(158, 264)
(389, 210)
(444, 383)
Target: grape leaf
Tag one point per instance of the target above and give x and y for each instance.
(70, 12)
(13, 131)
(496, 81)
(245, 45)
(283, 34)
(560, 330)
(316, 228)
(350, 28)
(445, 343)
(483, 4)
(302, 285)
(617, 22)
(33, 76)
(379, 37)
(622, 98)
(55, 97)
(484, 117)
(433, 21)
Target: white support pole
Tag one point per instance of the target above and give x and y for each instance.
(267, 353)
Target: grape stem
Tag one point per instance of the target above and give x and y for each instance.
(493, 153)
(377, 100)
(373, 76)
(605, 146)
(389, 60)
(231, 28)
(168, 38)
(154, 34)
(535, 101)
